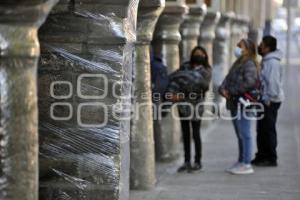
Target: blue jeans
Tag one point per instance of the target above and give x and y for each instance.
(242, 127)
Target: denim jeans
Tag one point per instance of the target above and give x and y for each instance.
(242, 125)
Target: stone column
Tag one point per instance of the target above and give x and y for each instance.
(255, 34)
(270, 14)
(257, 14)
(242, 11)
(190, 30)
(236, 34)
(165, 44)
(242, 7)
(239, 30)
(207, 32)
(230, 4)
(142, 167)
(244, 24)
(221, 54)
(206, 39)
(19, 53)
(85, 75)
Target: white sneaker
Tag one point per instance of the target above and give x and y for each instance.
(235, 165)
(242, 169)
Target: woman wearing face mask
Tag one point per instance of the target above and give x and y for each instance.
(192, 80)
(241, 78)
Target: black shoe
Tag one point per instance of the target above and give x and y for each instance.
(186, 167)
(197, 167)
(266, 163)
(257, 161)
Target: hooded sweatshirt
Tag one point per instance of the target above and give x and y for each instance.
(272, 77)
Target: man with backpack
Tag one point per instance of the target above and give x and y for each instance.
(272, 97)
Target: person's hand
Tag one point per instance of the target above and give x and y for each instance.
(225, 93)
(176, 98)
(268, 103)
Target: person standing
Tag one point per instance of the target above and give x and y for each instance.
(192, 80)
(242, 78)
(273, 95)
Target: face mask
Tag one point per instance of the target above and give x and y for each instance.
(238, 52)
(198, 60)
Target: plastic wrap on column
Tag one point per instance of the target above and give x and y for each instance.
(221, 53)
(19, 52)
(142, 162)
(166, 45)
(190, 30)
(84, 80)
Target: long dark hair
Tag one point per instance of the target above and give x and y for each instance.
(206, 63)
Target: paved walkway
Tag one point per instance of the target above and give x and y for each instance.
(220, 151)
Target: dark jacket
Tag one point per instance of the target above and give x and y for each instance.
(190, 80)
(241, 78)
(159, 77)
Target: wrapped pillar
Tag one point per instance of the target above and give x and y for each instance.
(166, 44)
(190, 30)
(142, 163)
(221, 47)
(19, 53)
(85, 75)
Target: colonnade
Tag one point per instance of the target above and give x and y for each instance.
(69, 89)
